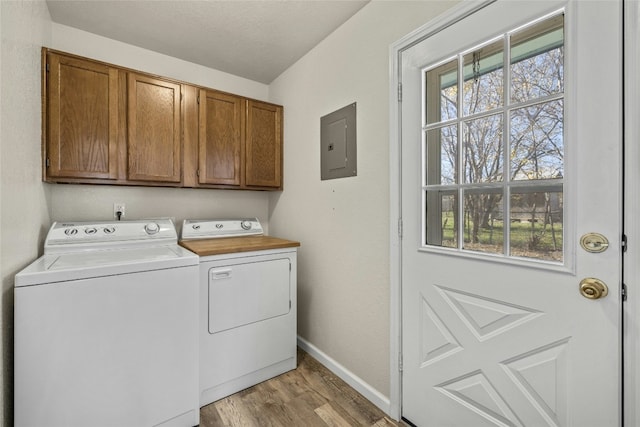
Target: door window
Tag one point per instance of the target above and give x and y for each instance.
(493, 146)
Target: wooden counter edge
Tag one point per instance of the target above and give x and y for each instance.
(229, 245)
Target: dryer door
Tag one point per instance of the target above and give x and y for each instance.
(241, 294)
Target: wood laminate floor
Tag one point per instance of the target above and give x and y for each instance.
(310, 395)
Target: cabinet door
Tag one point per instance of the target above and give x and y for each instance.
(263, 145)
(154, 135)
(82, 110)
(219, 138)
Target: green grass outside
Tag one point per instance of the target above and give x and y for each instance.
(533, 242)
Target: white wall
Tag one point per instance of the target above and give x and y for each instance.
(343, 224)
(94, 202)
(90, 45)
(24, 214)
(91, 202)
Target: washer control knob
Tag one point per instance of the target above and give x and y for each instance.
(196, 226)
(71, 231)
(91, 230)
(152, 228)
(246, 225)
(109, 230)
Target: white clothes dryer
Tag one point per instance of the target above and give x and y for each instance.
(106, 328)
(247, 304)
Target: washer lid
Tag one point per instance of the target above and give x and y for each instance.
(64, 267)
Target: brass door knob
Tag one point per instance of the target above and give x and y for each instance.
(593, 288)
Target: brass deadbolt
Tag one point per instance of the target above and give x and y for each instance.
(593, 288)
(594, 242)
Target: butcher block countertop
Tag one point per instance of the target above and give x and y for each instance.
(229, 245)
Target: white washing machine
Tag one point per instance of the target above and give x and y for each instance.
(106, 328)
(247, 304)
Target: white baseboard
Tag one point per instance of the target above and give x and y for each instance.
(371, 394)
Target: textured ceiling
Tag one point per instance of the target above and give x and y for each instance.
(257, 40)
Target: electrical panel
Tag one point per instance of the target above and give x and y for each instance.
(338, 144)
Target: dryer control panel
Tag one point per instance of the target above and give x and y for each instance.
(210, 229)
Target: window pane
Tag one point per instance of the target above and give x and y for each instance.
(442, 93)
(483, 85)
(483, 149)
(536, 225)
(484, 142)
(442, 218)
(442, 155)
(537, 142)
(537, 60)
(483, 221)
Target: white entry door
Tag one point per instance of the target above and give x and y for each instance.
(511, 189)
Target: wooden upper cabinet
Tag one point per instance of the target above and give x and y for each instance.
(263, 145)
(104, 124)
(81, 119)
(220, 133)
(154, 129)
